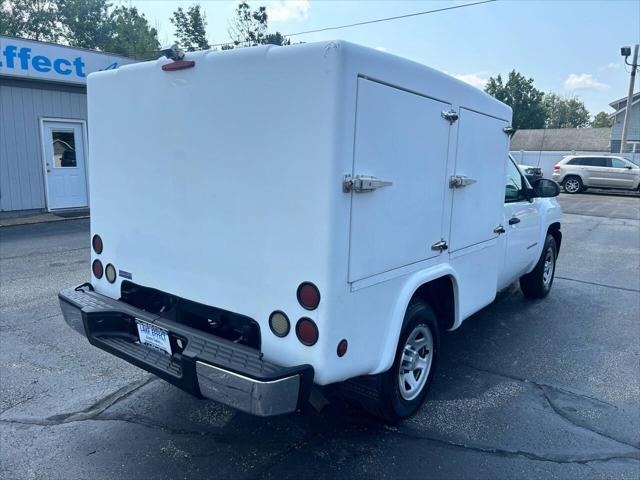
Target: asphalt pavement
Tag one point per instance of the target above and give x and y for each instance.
(525, 389)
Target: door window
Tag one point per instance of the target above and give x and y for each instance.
(513, 185)
(63, 148)
(617, 163)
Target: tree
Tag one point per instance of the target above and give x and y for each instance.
(191, 28)
(565, 112)
(86, 23)
(601, 120)
(35, 19)
(520, 94)
(131, 34)
(249, 27)
(276, 39)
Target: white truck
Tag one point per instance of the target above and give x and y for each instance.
(268, 219)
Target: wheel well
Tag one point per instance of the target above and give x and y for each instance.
(554, 231)
(439, 295)
(572, 175)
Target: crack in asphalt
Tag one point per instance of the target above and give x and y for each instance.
(634, 290)
(88, 413)
(544, 387)
(520, 453)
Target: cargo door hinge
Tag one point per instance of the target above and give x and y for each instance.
(363, 183)
(440, 246)
(450, 116)
(509, 130)
(459, 181)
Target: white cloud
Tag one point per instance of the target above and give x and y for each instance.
(584, 81)
(613, 66)
(382, 49)
(285, 10)
(475, 79)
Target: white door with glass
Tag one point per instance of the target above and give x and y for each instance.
(65, 165)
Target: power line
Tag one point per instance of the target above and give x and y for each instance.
(377, 20)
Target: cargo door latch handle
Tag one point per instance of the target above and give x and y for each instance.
(363, 183)
(459, 181)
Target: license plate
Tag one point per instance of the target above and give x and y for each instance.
(153, 336)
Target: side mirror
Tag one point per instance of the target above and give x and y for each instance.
(628, 167)
(546, 188)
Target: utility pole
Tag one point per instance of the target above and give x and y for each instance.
(627, 117)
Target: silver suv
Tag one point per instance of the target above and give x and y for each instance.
(577, 172)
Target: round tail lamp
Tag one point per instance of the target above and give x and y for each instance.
(96, 243)
(342, 347)
(308, 295)
(307, 331)
(96, 266)
(279, 324)
(110, 273)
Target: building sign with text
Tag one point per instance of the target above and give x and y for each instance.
(47, 61)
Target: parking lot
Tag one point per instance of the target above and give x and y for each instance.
(525, 389)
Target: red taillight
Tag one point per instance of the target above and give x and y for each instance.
(96, 243)
(556, 168)
(307, 331)
(98, 271)
(342, 347)
(308, 295)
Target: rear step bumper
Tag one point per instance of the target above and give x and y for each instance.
(207, 366)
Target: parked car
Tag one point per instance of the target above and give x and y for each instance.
(576, 173)
(532, 173)
(334, 243)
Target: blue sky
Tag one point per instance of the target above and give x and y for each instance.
(571, 47)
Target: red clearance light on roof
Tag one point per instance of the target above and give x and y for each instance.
(307, 331)
(308, 295)
(178, 65)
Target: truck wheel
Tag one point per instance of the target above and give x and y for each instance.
(572, 184)
(537, 283)
(404, 386)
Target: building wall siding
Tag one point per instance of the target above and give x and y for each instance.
(634, 128)
(22, 105)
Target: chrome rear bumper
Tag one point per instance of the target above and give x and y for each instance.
(207, 366)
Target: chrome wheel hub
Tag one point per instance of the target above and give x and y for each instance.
(415, 363)
(571, 185)
(549, 265)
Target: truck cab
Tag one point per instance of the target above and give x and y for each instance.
(270, 220)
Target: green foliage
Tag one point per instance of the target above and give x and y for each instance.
(131, 34)
(601, 120)
(34, 19)
(276, 39)
(565, 112)
(519, 93)
(249, 27)
(85, 23)
(191, 28)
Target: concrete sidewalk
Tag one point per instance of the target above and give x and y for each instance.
(59, 216)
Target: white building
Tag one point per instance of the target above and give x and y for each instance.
(43, 115)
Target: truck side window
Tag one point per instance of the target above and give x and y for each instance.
(513, 185)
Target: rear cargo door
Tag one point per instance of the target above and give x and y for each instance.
(400, 138)
(482, 151)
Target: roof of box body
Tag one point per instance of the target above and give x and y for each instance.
(367, 62)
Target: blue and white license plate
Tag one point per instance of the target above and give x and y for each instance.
(153, 336)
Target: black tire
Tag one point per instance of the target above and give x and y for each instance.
(389, 404)
(572, 184)
(536, 284)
